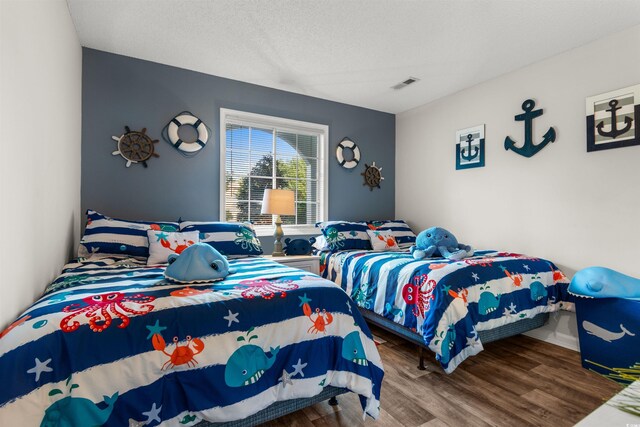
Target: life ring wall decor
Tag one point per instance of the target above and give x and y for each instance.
(347, 143)
(186, 148)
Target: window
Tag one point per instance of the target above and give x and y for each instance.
(259, 152)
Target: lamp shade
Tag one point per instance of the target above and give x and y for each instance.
(278, 202)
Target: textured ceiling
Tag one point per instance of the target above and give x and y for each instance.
(350, 51)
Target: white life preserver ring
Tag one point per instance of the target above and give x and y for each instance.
(347, 143)
(182, 119)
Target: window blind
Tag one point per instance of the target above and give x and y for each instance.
(259, 156)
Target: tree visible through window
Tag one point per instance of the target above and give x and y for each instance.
(257, 158)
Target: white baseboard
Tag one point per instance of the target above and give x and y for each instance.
(561, 330)
(557, 338)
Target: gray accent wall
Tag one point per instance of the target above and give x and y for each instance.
(119, 91)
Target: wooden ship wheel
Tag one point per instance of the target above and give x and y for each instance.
(135, 147)
(372, 176)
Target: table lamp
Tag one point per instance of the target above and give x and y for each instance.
(278, 202)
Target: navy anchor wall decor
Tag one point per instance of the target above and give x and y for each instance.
(614, 132)
(612, 119)
(470, 148)
(529, 148)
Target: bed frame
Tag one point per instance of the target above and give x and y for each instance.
(495, 334)
(280, 409)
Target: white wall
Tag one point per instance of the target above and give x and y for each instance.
(40, 92)
(564, 204)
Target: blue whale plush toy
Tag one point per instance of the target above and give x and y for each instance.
(438, 242)
(199, 263)
(601, 282)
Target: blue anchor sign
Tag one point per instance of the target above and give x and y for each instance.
(468, 157)
(470, 148)
(614, 132)
(529, 148)
(612, 119)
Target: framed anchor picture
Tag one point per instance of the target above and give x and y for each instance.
(470, 148)
(612, 119)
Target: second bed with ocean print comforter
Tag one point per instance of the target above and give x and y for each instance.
(448, 302)
(113, 343)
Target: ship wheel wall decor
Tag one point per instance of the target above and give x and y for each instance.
(135, 146)
(372, 175)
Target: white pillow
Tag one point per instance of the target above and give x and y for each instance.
(162, 244)
(320, 243)
(383, 240)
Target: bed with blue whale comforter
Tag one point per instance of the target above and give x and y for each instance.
(113, 343)
(449, 302)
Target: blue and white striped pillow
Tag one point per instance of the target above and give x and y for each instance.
(110, 236)
(401, 231)
(231, 239)
(343, 235)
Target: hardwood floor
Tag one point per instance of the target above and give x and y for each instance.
(517, 381)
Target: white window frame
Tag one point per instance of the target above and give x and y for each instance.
(257, 120)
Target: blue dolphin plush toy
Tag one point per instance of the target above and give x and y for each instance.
(436, 241)
(601, 282)
(199, 263)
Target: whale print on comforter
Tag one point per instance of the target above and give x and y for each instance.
(448, 301)
(113, 343)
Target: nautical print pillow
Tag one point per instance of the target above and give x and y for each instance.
(401, 231)
(231, 239)
(383, 240)
(163, 244)
(342, 235)
(104, 236)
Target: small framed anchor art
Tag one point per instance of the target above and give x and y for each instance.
(470, 148)
(612, 119)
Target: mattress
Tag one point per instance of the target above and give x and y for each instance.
(449, 302)
(113, 343)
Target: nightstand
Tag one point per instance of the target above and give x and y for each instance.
(310, 263)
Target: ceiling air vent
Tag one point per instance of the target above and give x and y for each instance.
(407, 82)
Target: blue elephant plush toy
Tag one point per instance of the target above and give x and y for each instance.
(199, 263)
(438, 242)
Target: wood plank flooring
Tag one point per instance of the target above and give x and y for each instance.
(516, 381)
